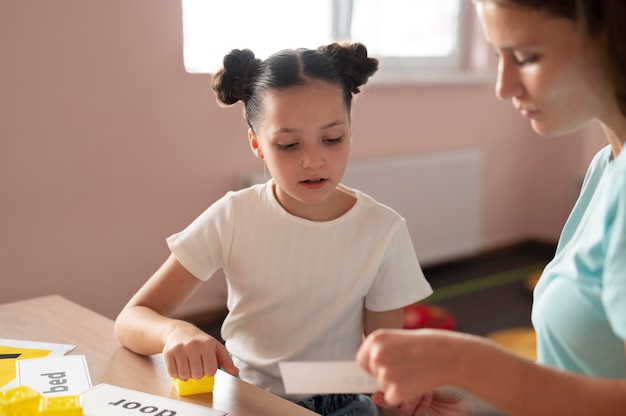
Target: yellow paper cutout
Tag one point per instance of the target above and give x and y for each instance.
(7, 365)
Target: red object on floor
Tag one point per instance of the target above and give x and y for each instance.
(421, 315)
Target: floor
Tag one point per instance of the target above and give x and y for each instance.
(485, 293)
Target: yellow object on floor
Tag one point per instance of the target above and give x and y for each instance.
(531, 281)
(522, 341)
(193, 386)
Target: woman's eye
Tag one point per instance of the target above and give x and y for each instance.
(525, 60)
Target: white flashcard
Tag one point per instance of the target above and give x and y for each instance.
(326, 377)
(109, 400)
(50, 347)
(12, 350)
(54, 376)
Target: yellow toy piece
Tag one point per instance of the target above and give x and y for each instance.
(24, 401)
(193, 386)
(61, 406)
(19, 401)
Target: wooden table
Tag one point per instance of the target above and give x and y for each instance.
(56, 319)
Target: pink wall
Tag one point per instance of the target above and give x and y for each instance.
(107, 146)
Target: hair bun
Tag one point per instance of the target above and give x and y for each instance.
(352, 62)
(232, 82)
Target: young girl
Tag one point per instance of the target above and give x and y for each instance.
(310, 264)
(563, 65)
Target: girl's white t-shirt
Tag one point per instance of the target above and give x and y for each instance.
(297, 289)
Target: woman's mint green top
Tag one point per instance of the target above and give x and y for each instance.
(579, 309)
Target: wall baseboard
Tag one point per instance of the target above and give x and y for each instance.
(531, 245)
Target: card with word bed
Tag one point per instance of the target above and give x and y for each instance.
(12, 350)
(55, 376)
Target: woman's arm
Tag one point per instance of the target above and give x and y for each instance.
(145, 327)
(409, 362)
(393, 319)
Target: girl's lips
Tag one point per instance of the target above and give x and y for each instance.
(314, 183)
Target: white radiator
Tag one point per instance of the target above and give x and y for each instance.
(438, 194)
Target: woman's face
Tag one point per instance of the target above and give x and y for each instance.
(304, 138)
(553, 75)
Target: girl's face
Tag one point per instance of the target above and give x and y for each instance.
(554, 76)
(304, 138)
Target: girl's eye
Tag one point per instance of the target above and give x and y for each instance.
(289, 146)
(334, 141)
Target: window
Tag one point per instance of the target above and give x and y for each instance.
(407, 36)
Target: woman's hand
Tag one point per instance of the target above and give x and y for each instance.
(407, 363)
(440, 402)
(191, 353)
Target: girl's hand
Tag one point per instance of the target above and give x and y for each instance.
(192, 353)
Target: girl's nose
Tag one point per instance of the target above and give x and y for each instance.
(508, 84)
(312, 158)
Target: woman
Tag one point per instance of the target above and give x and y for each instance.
(563, 65)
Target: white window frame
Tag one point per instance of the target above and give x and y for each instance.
(450, 69)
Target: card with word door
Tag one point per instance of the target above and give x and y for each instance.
(109, 400)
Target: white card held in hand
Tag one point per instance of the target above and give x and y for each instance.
(326, 377)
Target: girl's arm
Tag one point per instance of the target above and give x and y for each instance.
(409, 362)
(393, 319)
(144, 325)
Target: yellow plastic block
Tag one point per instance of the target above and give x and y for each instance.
(61, 406)
(193, 386)
(19, 401)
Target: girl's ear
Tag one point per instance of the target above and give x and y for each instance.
(254, 144)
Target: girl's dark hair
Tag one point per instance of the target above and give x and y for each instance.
(603, 18)
(246, 78)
